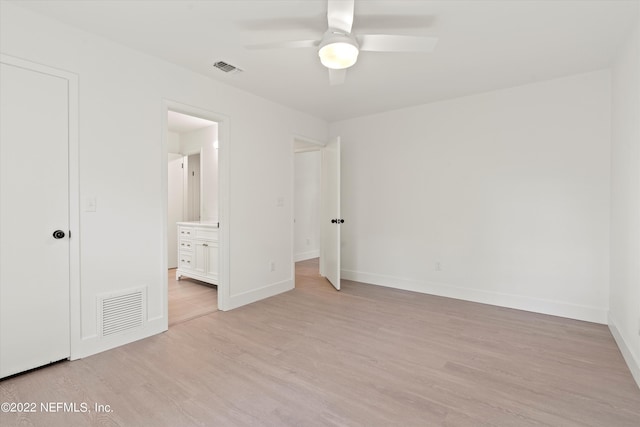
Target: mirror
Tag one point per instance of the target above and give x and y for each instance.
(195, 141)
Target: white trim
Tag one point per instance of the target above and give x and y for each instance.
(224, 283)
(254, 295)
(75, 308)
(292, 189)
(307, 140)
(95, 344)
(520, 302)
(303, 256)
(633, 362)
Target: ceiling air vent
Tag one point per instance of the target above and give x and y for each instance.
(227, 68)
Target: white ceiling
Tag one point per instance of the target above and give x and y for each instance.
(182, 123)
(484, 45)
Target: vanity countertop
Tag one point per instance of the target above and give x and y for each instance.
(213, 224)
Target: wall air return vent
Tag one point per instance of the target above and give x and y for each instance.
(227, 68)
(121, 312)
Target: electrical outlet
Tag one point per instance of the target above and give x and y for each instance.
(272, 266)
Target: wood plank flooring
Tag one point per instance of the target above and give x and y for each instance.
(189, 298)
(364, 356)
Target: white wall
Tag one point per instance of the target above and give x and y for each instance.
(507, 190)
(209, 159)
(121, 123)
(209, 170)
(173, 142)
(175, 205)
(192, 142)
(624, 314)
(307, 205)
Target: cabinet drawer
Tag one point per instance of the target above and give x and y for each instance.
(185, 232)
(206, 233)
(185, 245)
(186, 261)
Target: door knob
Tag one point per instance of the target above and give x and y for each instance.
(58, 234)
(334, 221)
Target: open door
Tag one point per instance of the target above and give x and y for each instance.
(331, 219)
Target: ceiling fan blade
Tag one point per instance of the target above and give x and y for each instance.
(340, 15)
(368, 23)
(284, 45)
(337, 77)
(396, 43)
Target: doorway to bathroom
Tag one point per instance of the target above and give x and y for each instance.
(192, 216)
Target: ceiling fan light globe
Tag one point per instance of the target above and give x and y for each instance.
(338, 55)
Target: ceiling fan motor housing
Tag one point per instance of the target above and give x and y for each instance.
(338, 50)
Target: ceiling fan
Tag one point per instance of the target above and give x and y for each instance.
(338, 48)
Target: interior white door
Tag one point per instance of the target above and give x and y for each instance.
(331, 219)
(34, 202)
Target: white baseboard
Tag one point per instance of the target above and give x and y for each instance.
(303, 256)
(90, 345)
(520, 302)
(254, 295)
(93, 344)
(633, 361)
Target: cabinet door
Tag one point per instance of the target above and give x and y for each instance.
(212, 260)
(200, 257)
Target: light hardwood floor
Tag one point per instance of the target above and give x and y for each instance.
(364, 356)
(189, 298)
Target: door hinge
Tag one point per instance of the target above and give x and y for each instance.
(69, 233)
(182, 165)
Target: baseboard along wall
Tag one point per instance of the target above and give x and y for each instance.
(633, 362)
(520, 302)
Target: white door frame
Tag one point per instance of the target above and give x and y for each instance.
(75, 307)
(223, 195)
